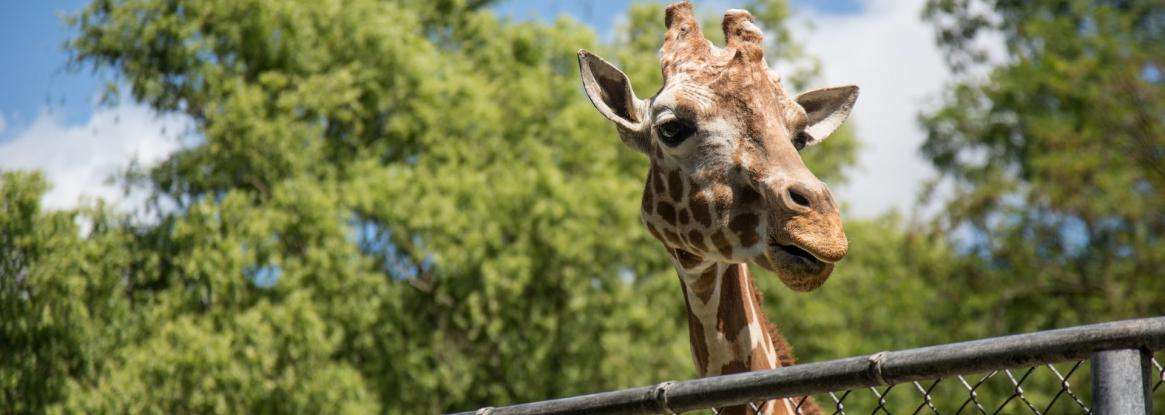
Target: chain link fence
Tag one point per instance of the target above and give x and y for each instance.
(1037, 390)
(1107, 368)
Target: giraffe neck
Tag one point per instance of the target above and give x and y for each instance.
(728, 329)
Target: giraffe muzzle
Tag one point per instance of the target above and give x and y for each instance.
(806, 237)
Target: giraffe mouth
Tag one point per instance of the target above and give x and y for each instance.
(796, 253)
(797, 267)
(799, 254)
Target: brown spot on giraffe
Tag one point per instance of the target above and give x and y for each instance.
(687, 259)
(735, 366)
(745, 227)
(654, 233)
(675, 186)
(731, 298)
(696, 334)
(722, 243)
(667, 212)
(704, 286)
(648, 200)
(700, 210)
(657, 180)
(696, 239)
(748, 196)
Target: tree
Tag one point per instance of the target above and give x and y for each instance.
(392, 206)
(1054, 151)
(378, 233)
(41, 328)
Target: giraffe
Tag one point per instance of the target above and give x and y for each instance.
(726, 185)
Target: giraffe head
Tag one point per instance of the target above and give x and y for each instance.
(727, 183)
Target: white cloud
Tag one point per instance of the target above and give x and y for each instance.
(890, 53)
(3, 124)
(80, 159)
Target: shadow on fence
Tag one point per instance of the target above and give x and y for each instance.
(1106, 368)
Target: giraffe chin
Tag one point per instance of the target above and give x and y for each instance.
(797, 269)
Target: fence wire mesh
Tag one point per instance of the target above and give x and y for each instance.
(1040, 390)
(998, 375)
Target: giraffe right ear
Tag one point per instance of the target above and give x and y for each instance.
(610, 91)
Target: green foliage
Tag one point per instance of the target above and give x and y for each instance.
(395, 206)
(881, 297)
(61, 308)
(1055, 157)
(353, 233)
(409, 207)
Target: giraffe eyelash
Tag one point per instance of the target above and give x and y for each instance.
(674, 131)
(800, 140)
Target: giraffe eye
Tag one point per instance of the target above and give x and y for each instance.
(800, 140)
(674, 132)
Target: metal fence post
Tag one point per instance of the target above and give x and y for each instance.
(1120, 382)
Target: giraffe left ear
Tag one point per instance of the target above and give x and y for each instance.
(610, 91)
(826, 108)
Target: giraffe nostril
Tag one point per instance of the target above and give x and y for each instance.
(798, 197)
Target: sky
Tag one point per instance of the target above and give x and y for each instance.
(50, 119)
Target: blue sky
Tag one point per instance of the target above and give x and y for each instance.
(35, 78)
(33, 75)
(601, 14)
(49, 119)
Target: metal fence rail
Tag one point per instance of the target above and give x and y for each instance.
(1123, 371)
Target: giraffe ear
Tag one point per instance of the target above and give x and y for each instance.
(826, 109)
(610, 91)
